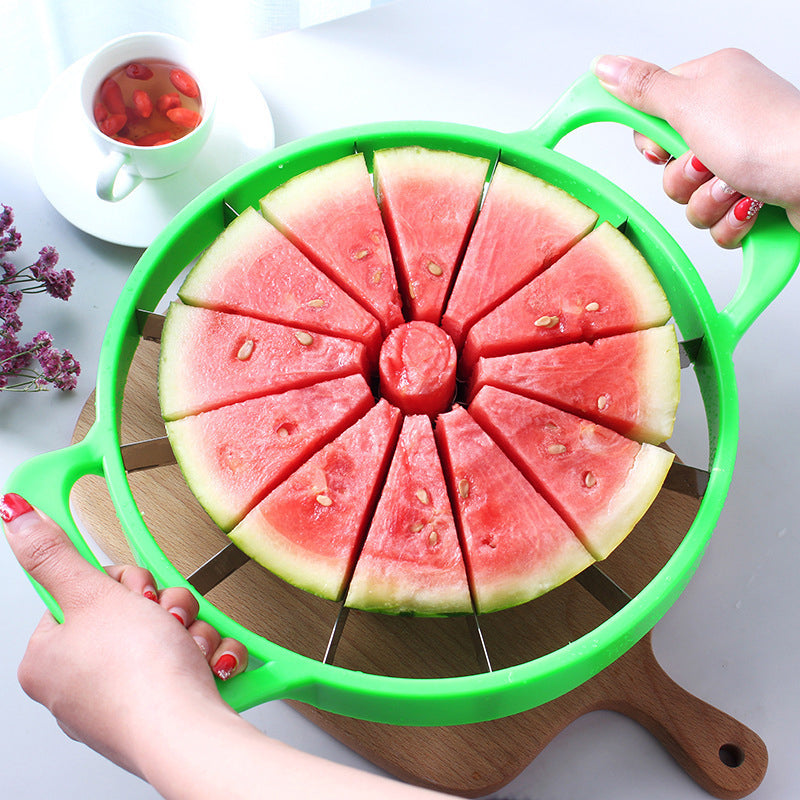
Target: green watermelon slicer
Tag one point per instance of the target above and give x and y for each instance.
(770, 255)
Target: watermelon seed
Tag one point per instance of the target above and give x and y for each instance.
(555, 449)
(546, 322)
(417, 527)
(246, 350)
(435, 269)
(282, 432)
(602, 401)
(422, 496)
(463, 487)
(377, 276)
(304, 337)
(324, 500)
(361, 254)
(433, 538)
(316, 303)
(589, 480)
(592, 306)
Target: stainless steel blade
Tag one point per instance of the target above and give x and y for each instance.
(691, 481)
(217, 568)
(150, 324)
(604, 589)
(147, 454)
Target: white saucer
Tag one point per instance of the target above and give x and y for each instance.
(66, 161)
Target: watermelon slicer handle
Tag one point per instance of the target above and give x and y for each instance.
(45, 481)
(770, 251)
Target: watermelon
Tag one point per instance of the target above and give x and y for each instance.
(309, 528)
(251, 268)
(628, 382)
(331, 213)
(524, 225)
(210, 358)
(417, 368)
(599, 481)
(411, 561)
(233, 455)
(429, 200)
(601, 287)
(515, 545)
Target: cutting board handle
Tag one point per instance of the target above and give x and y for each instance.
(722, 755)
(770, 251)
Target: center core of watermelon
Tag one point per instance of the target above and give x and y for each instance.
(417, 367)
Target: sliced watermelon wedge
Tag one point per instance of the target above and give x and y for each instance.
(411, 561)
(524, 225)
(233, 455)
(210, 358)
(515, 545)
(601, 287)
(599, 481)
(331, 213)
(252, 268)
(309, 528)
(630, 382)
(429, 199)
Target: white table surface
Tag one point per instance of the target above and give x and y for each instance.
(732, 637)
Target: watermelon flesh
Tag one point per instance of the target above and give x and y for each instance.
(417, 368)
(233, 455)
(309, 528)
(253, 269)
(331, 213)
(599, 481)
(628, 382)
(601, 287)
(411, 561)
(515, 545)
(210, 358)
(429, 200)
(523, 226)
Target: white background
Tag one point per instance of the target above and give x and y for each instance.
(732, 638)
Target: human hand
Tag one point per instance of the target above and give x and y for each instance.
(740, 122)
(126, 654)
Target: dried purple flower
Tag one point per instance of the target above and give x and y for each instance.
(53, 367)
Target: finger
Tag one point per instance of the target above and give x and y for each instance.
(684, 176)
(207, 638)
(652, 151)
(181, 603)
(229, 659)
(47, 554)
(138, 579)
(638, 83)
(710, 203)
(736, 223)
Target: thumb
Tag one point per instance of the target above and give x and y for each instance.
(640, 84)
(46, 552)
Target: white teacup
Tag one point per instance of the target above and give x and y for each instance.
(126, 165)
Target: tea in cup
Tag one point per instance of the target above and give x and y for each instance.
(149, 100)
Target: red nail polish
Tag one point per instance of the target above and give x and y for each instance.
(654, 158)
(746, 209)
(698, 164)
(13, 506)
(225, 666)
(150, 595)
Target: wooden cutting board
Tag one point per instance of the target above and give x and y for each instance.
(722, 755)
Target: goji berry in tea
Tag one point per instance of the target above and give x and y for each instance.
(139, 72)
(184, 117)
(184, 83)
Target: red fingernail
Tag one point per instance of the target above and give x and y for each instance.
(654, 158)
(13, 506)
(150, 594)
(179, 615)
(746, 209)
(698, 164)
(225, 666)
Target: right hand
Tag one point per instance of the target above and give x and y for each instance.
(740, 121)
